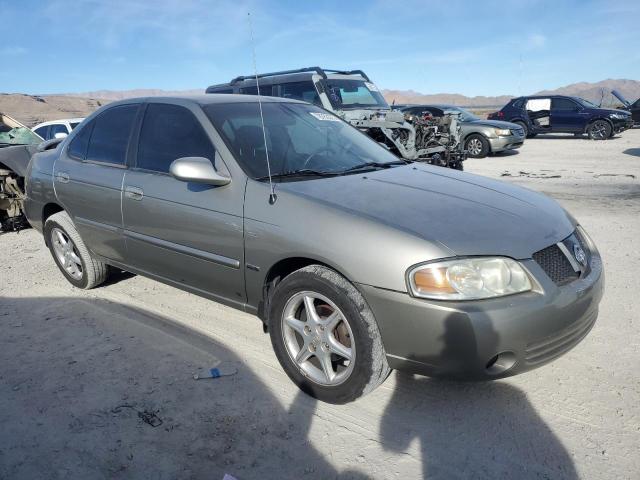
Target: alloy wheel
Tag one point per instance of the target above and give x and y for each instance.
(318, 338)
(66, 253)
(600, 130)
(474, 146)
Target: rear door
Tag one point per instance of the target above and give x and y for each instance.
(88, 178)
(566, 115)
(188, 234)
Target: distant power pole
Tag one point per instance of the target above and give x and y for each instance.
(520, 77)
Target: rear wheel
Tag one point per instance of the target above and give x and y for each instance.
(477, 146)
(599, 130)
(71, 255)
(325, 336)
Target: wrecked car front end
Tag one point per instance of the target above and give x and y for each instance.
(17, 145)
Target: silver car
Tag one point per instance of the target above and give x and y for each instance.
(355, 261)
(480, 137)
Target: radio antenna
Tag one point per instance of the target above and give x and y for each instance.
(272, 194)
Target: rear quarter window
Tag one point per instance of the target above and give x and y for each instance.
(110, 136)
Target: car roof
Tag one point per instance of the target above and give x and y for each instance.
(61, 120)
(206, 99)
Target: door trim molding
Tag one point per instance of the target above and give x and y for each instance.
(176, 247)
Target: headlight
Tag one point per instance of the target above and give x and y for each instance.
(502, 132)
(469, 279)
(619, 116)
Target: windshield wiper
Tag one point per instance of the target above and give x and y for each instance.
(306, 172)
(372, 165)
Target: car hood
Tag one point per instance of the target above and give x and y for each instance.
(490, 123)
(469, 214)
(621, 97)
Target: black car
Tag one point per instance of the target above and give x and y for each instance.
(561, 114)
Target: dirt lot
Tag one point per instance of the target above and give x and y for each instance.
(100, 384)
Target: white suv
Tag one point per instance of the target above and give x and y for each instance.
(56, 128)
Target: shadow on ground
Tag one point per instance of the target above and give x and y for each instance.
(96, 389)
(632, 151)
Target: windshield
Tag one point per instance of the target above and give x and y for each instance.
(346, 94)
(299, 138)
(14, 133)
(465, 116)
(585, 103)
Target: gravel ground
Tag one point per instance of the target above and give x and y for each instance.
(100, 384)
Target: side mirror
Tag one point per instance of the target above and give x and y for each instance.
(60, 135)
(49, 144)
(198, 170)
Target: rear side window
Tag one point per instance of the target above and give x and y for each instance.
(264, 90)
(305, 91)
(43, 132)
(563, 104)
(110, 136)
(518, 103)
(79, 144)
(170, 132)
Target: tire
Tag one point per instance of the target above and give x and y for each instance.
(343, 323)
(64, 242)
(477, 146)
(599, 130)
(525, 128)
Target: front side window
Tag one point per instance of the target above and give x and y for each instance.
(305, 91)
(170, 132)
(563, 104)
(58, 128)
(354, 94)
(299, 137)
(110, 137)
(74, 125)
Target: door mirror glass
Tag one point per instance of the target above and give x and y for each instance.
(198, 170)
(60, 135)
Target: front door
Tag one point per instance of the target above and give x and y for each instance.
(88, 178)
(188, 234)
(566, 116)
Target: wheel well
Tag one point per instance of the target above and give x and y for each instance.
(591, 122)
(49, 209)
(276, 273)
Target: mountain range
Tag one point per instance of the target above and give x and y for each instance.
(32, 109)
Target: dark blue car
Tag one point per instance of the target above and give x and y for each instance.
(561, 114)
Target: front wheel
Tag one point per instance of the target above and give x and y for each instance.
(325, 336)
(599, 130)
(477, 146)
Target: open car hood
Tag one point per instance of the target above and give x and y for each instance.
(620, 97)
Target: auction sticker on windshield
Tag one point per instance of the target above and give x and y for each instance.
(327, 117)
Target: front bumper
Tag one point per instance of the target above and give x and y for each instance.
(622, 125)
(462, 339)
(511, 142)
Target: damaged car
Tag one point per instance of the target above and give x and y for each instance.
(17, 144)
(356, 262)
(479, 137)
(352, 96)
(561, 114)
(633, 108)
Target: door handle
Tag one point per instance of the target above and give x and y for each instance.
(63, 177)
(134, 193)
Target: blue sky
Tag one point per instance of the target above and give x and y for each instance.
(453, 46)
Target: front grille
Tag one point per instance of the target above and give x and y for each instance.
(556, 265)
